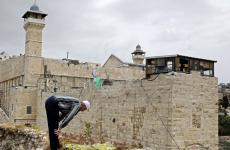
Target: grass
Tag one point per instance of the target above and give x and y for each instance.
(88, 147)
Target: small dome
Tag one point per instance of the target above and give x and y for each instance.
(138, 47)
(34, 7)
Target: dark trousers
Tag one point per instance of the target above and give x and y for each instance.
(52, 113)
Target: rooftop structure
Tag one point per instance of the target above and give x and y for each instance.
(178, 63)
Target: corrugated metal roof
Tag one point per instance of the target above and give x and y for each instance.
(177, 55)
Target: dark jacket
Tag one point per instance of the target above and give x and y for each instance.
(68, 108)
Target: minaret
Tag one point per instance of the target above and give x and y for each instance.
(138, 55)
(34, 22)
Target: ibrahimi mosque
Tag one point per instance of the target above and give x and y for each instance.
(166, 102)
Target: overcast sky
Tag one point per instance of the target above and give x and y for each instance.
(91, 30)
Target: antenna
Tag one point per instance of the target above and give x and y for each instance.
(35, 2)
(67, 55)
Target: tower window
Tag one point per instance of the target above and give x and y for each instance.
(29, 110)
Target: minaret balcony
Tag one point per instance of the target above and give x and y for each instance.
(34, 20)
(138, 56)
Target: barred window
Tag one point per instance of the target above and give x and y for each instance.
(29, 110)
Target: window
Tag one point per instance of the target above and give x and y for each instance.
(196, 65)
(160, 62)
(184, 65)
(169, 65)
(29, 110)
(207, 72)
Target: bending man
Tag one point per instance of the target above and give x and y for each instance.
(61, 108)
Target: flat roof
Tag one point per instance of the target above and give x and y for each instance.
(177, 55)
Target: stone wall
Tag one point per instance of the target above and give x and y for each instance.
(170, 111)
(166, 113)
(11, 75)
(121, 113)
(112, 61)
(11, 68)
(27, 72)
(15, 138)
(195, 111)
(20, 99)
(33, 70)
(62, 68)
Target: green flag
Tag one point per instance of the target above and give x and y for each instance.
(99, 82)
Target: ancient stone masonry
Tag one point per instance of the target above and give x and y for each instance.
(137, 120)
(26, 74)
(170, 112)
(11, 75)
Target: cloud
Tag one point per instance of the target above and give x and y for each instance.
(92, 30)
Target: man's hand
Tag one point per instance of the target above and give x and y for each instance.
(57, 132)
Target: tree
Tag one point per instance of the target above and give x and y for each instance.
(228, 85)
(225, 103)
(224, 120)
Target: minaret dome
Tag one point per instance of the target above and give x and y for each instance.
(34, 7)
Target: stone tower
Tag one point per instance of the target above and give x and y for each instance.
(138, 55)
(34, 22)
